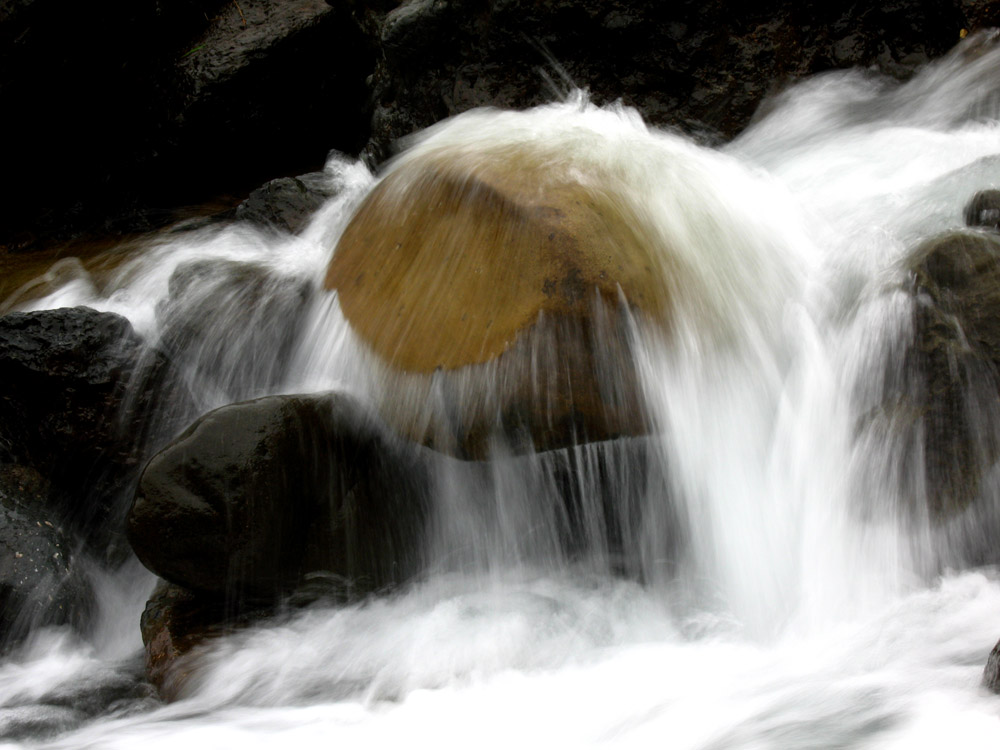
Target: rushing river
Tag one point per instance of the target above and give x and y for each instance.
(792, 591)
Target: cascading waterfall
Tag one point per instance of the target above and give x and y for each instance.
(764, 569)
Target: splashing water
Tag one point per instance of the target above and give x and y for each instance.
(784, 583)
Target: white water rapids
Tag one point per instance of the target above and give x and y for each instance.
(805, 610)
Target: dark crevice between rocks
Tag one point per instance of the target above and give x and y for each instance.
(149, 130)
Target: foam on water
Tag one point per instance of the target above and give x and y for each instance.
(545, 661)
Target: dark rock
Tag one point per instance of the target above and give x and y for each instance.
(193, 106)
(36, 722)
(270, 86)
(582, 503)
(980, 14)
(704, 67)
(188, 109)
(983, 210)
(940, 393)
(57, 58)
(254, 495)
(287, 202)
(232, 326)
(588, 503)
(39, 585)
(171, 624)
(111, 688)
(79, 395)
(991, 674)
(176, 620)
(106, 689)
(24, 488)
(238, 37)
(958, 353)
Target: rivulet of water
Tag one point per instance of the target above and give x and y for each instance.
(762, 570)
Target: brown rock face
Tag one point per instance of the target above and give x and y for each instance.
(172, 624)
(516, 265)
(446, 263)
(177, 620)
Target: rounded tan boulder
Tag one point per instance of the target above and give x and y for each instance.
(496, 290)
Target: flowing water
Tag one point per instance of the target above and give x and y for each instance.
(773, 577)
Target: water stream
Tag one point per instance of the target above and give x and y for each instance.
(784, 583)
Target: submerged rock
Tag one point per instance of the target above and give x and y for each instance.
(958, 352)
(259, 311)
(941, 392)
(584, 505)
(983, 210)
(39, 585)
(254, 495)
(112, 689)
(501, 282)
(176, 620)
(991, 673)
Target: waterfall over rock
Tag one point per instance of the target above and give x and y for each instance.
(559, 430)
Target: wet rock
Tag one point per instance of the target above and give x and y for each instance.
(980, 14)
(270, 72)
(941, 393)
(583, 503)
(176, 620)
(166, 632)
(198, 101)
(79, 392)
(254, 495)
(958, 352)
(39, 585)
(24, 488)
(991, 673)
(548, 264)
(111, 690)
(19, 723)
(287, 202)
(232, 326)
(588, 503)
(704, 67)
(236, 38)
(983, 210)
